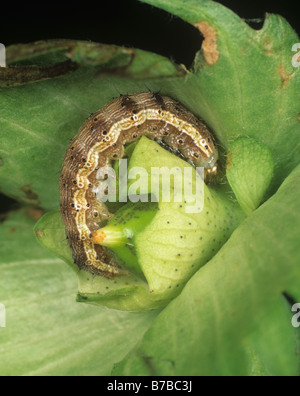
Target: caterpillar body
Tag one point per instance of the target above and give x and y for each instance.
(102, 140)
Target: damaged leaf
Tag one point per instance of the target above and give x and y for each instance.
(243, 82)
(48, 90)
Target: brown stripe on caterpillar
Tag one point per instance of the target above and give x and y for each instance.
(102, 139)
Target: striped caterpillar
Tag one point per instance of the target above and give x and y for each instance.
(101, 140)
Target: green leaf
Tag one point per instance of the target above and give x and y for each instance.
(274, 343)
(47, 332)
(243, 82)
(42, 111)
(203, 331)
(250, 167)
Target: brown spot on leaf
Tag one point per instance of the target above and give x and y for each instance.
(39, 233)
(268, 46)
(12, 230)
(210, 43)
(35, 214)
(285, 76)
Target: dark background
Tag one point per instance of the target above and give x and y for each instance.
(123, 22)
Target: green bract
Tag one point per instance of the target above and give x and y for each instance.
(229, 316)
(250, 168)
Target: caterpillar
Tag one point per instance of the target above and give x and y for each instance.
(101, 140)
